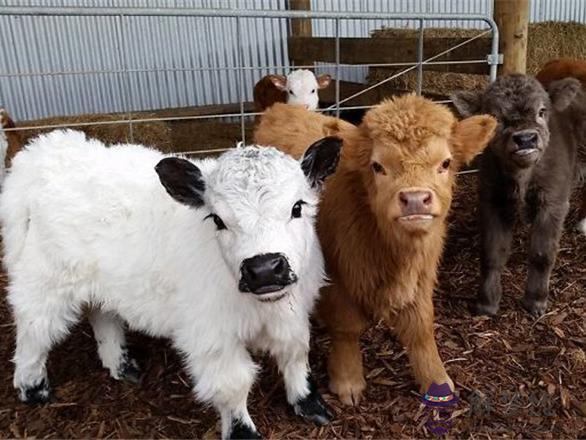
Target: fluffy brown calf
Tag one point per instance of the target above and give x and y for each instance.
(382, 222)
(560, 69)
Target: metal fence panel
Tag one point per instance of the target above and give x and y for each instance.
(173, 45)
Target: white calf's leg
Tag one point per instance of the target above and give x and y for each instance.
(224, 378)
(302, 393)
(109, 333)
(41, 321)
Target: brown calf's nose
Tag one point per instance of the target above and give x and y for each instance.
(415, 202)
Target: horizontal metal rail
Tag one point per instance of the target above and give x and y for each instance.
(212, 69)
(239, 15)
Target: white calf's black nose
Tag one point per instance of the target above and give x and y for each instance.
(525, 139)
(265, 273)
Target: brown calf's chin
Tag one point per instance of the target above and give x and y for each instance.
(416, 224)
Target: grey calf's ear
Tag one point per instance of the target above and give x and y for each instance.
(467, 103)
(563, 92)
(182, 180)
(321, 159)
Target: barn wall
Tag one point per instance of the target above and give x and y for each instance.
(172, 46)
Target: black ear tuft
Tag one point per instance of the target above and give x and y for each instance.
(321, 159)
(182, 180)
(468, 103)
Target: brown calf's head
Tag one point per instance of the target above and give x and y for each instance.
(416, 148)
(522, 108)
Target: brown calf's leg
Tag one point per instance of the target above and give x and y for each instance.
(414, 328)
(345, 324)
(545, 237)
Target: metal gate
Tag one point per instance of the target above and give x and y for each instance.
(239, 18)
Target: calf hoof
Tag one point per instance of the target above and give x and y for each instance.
(36, 394)
(314, 409)
(481, 308)
(129, 369)
(349, 391)
(240, 430)
(533, 306)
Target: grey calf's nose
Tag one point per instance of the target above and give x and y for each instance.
(265, 273)
(525, 139)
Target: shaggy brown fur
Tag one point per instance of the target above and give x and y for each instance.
(562, 68)
(382, 222)
(14, 138)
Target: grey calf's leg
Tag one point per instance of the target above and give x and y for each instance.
(497, 234)
(545, 237)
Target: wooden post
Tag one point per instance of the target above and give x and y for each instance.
(301, 27)
(512, 19)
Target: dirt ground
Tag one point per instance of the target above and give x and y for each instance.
(517, 376)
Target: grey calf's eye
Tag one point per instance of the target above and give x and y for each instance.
(296, 210)
(542, 112)
(217, 221)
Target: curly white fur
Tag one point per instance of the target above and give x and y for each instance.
(86, 225)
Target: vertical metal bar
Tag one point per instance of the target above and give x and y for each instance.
(420, 58)
(126, 94)
(240, 77)
(494, 52)
(337, 67)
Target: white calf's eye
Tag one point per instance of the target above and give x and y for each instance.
(296, 210)
(291, 93)
(313, 91)
(217, 221)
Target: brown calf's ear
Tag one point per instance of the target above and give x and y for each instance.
(279, 81)
(467, 103)
(323, 81)
(5, 120)
(183, 180)
(321, 159)
(470, 136)
(563, 92)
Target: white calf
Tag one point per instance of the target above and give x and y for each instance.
(235, 264)
(300, 87)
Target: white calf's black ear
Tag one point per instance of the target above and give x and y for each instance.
(182, 180)
(468, 103)
(563, 92)
(321, 159)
